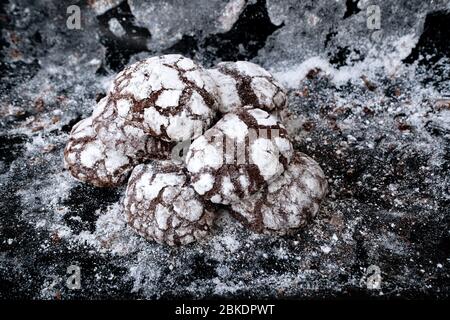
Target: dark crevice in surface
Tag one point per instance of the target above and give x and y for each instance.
(247, 35)
(341, 56)
(119, 49)
(352, 8)
(242, 42)
(329, 37)
(68, 127)
(11, 147)
(84, 201)
(186, 46)
(434, 41)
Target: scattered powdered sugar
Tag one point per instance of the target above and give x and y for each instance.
(389, 64)
(364, 140)
(161, 180)
(91, 153)
(204, 183)
(234, 128)
(206, 155)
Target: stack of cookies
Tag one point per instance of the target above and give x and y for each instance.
(187, 140)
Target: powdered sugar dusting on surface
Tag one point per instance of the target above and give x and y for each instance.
(265, 155)
(263, 118)
(160, 205)
(181, 97)
(244, 83)
(206, 155)
(168, 98)
(387, 186)
(229, 151)
(227, 91)
(204, 183)
(234, 128)
(114, 160)
(289, 202)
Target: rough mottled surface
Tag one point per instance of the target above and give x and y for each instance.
(370, 106)
(119, 134)
(244, 83)
(288, 203)
(89, 160)
(103, 149)
(161, 206)
(239, 155)
(169, 97)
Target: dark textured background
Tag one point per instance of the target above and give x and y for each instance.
(374, 114)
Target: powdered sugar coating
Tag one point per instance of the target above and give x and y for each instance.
(89, 160)
(161, 206)
(116, 133)
(244, 83)
(243, 152)
(169, 97)
(289, 202)
(103, 149)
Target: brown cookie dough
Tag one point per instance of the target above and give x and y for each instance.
(89, 160)
(161, 206)
(289, 202)
(169, 97)
(244, 83)
(239, 155)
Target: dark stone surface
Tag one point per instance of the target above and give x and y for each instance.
(381, 136)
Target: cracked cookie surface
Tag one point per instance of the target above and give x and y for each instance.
(244, 83)
(89, 160)
(115, 132)
(169, 97)
(240, 154)
(289, 202)
(102, 152)
(160, 205)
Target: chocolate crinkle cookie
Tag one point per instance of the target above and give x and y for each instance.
(245, 160)
(239, 155)
(289, 202)
(89, 160)
(115, 132)
(169, 97)
(102, 152)
(244, 83)
(161, 206)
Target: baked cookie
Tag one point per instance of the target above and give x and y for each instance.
(89, 160)
(169, 97)
(115, 132)
(240, 154)
(288, 203)
(161, 206)
(244, 83)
